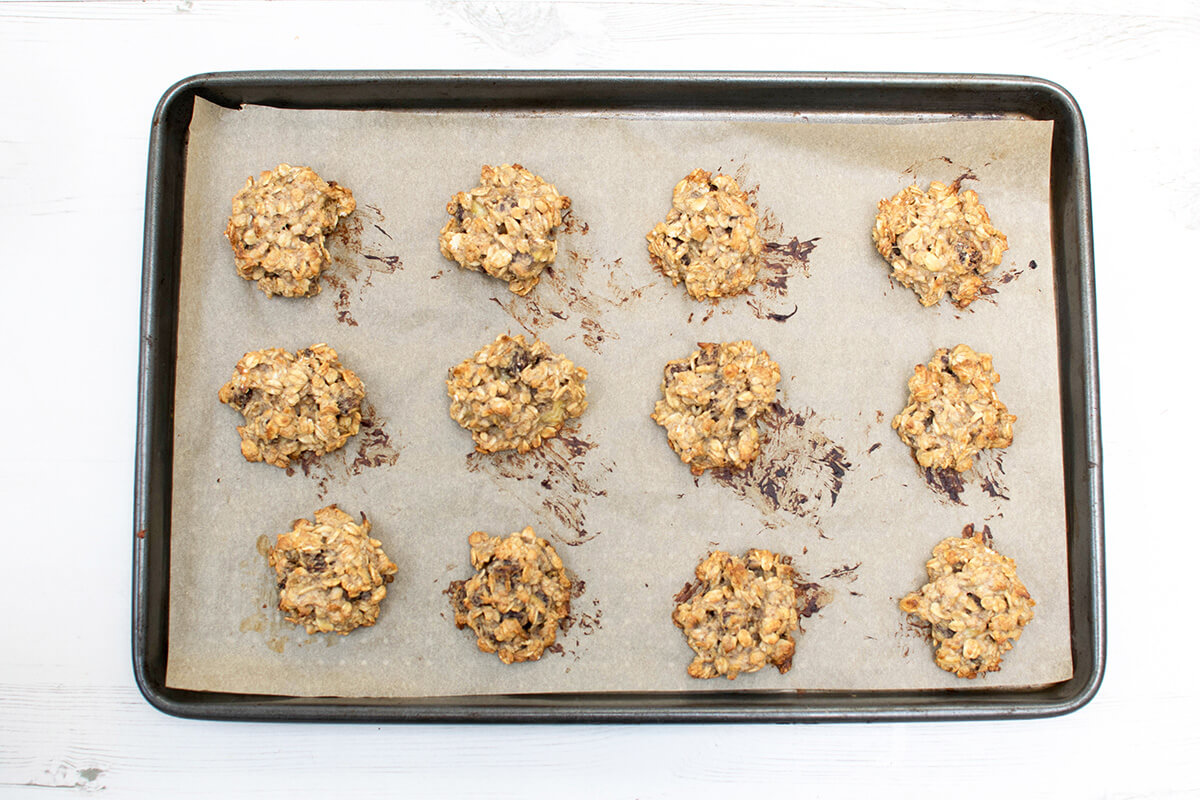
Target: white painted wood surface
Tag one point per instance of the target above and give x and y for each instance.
(80, 81)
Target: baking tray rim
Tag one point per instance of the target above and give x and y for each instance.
(884, 93)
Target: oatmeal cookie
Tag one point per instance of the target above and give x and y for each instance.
(505, 226)
(297, 407)
(709, 239)
(278, 229)
(938, 241)
(712, 401)
(512, 395)
(953, 411)
(740, 614)
(975, 602)
(517, 597)
(331, 574)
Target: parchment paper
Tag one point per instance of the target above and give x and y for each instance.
(835, 487)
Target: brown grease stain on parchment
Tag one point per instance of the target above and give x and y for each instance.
(268, 622)
(798, 473)
(576, 291)
(372, 446)
(357, 240)
(565, 482)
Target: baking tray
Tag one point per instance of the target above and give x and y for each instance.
(856, 97)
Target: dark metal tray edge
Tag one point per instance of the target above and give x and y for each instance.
(857, 92)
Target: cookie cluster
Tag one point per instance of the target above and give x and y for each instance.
(741, 614)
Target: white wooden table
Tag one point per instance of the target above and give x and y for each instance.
(80, 81)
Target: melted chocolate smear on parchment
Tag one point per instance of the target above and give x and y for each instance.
(372, 446)
(986, 473)
(359, 249)
(991, 282)
(576, 292)
(583, 620)
(784, 258)
(563, 478)
(798, 473)
(966, 174)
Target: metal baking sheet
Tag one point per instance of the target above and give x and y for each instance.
(799, 95)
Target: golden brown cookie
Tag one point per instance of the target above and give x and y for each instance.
(975, 602)
(938, 241)
(297, 407)
(712, 401)
(710, 237)
(331, 574)
(953, 411)
(517, 597)
(505, 227)
(278, 229)
(740, 614)
(512, 395)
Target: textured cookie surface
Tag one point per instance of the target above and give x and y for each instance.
(710, 237)
(976, 604)
(517, 597)
(712, 401)
(330, 573)
(296, 406)
(938, 241)
(278, 228)
(505, 227)
(512, 395)
(740, 614)
(953, 411)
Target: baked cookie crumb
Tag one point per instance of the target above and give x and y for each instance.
(330, 573)
(517, 597)
(710, 237)
(505, 227)
(278, 229)
(296, 406)
(953, 411)
(938, 241)
(712, 401)
(512, 395)
(740, 614)
(975, 602)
